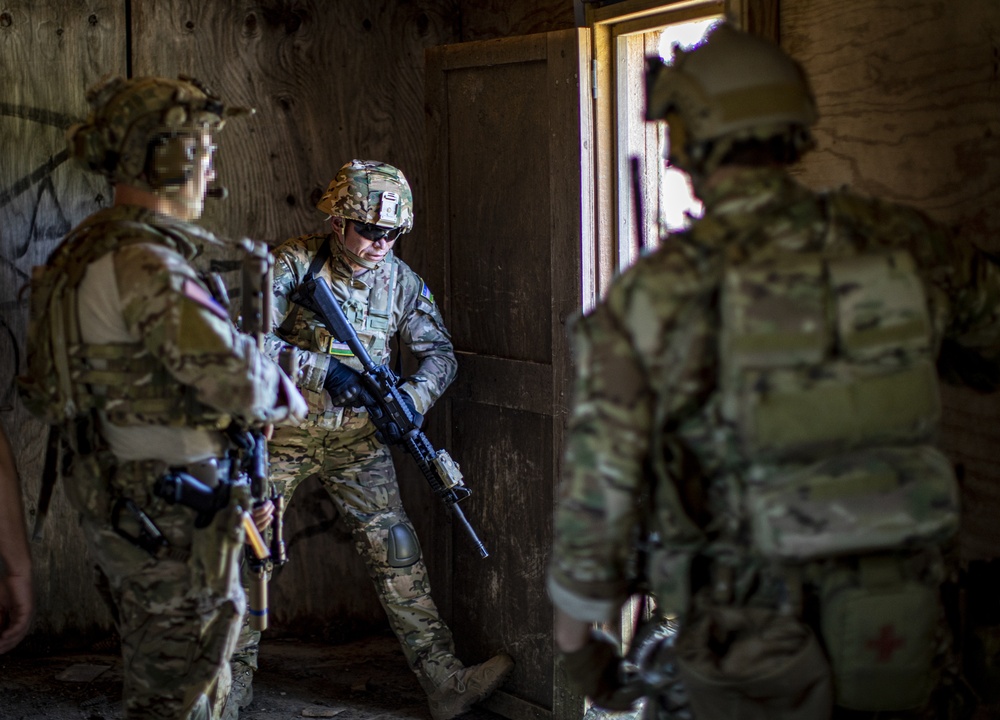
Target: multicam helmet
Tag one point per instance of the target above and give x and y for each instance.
(734, 87)
(140, 130)
(370, 192)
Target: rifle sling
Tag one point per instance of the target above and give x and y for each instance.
(49, 477)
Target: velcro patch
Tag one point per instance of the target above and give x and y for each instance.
(338, 349)
(203, 297)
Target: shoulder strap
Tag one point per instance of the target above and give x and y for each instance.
(50, 474)
(322, 255)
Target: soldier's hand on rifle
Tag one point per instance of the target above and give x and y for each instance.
(263, 515)
(418, 419)
(343, 383)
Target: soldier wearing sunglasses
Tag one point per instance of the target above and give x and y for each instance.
(370, 206)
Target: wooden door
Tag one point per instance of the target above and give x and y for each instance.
(509, 252)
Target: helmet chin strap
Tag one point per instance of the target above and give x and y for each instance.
(357, 259)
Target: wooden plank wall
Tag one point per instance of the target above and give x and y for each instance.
(909, 101)
(331, 80)
(50, 52)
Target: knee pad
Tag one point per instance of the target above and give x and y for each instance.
(402, 548)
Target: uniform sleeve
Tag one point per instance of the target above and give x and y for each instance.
(166, 305)
(422, 330)
(312, 366)
(973, 287)
(970, 349)
(605, 453)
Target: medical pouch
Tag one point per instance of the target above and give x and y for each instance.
(880, 630)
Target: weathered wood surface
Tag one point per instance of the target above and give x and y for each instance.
(50, 52)
(330, 81)
(487, 19)
(908, 97)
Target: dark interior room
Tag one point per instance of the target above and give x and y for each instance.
(515, 122)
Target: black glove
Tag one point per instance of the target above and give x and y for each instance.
(391, 434)
(593, 671)
(344, 384)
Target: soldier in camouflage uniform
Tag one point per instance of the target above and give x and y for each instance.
(370, 206)
(753, 428)
(132, 354)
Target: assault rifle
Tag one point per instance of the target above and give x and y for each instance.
(383, 400)
(256, 321)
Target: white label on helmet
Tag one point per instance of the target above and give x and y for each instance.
(388, 208)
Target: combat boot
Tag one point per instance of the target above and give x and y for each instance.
(240, 692)
(468, 686)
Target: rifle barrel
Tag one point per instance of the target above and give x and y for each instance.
(483, 553)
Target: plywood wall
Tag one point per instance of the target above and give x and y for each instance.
(909, 100)
(330, 80)
(49, 53)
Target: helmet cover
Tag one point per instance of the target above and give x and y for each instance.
(372, 192)
(131, 118)
(732, 87)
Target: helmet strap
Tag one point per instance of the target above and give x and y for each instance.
(356, 259)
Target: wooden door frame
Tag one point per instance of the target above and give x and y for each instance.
(606, 20)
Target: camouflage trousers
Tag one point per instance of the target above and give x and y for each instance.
(178, 617)
(358, 473)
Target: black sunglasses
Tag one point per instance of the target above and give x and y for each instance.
(374, 233)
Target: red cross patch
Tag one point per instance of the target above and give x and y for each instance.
(885, 643)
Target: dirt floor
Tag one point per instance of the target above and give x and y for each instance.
(361, 680)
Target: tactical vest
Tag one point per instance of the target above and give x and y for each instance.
(371, 318)
(828, 486)
(369, 310)
(68, 378)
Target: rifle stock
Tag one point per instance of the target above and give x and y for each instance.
(386, 408)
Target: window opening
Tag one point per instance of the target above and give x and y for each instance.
(653, 198)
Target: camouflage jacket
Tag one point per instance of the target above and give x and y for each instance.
(648, 365)
(378, 303)
(152, 351)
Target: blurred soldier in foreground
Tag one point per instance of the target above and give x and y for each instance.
(754, 422)
(137, 361)
(370, 205)
(16, 598)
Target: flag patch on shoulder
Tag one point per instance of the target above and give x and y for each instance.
(203, 297)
